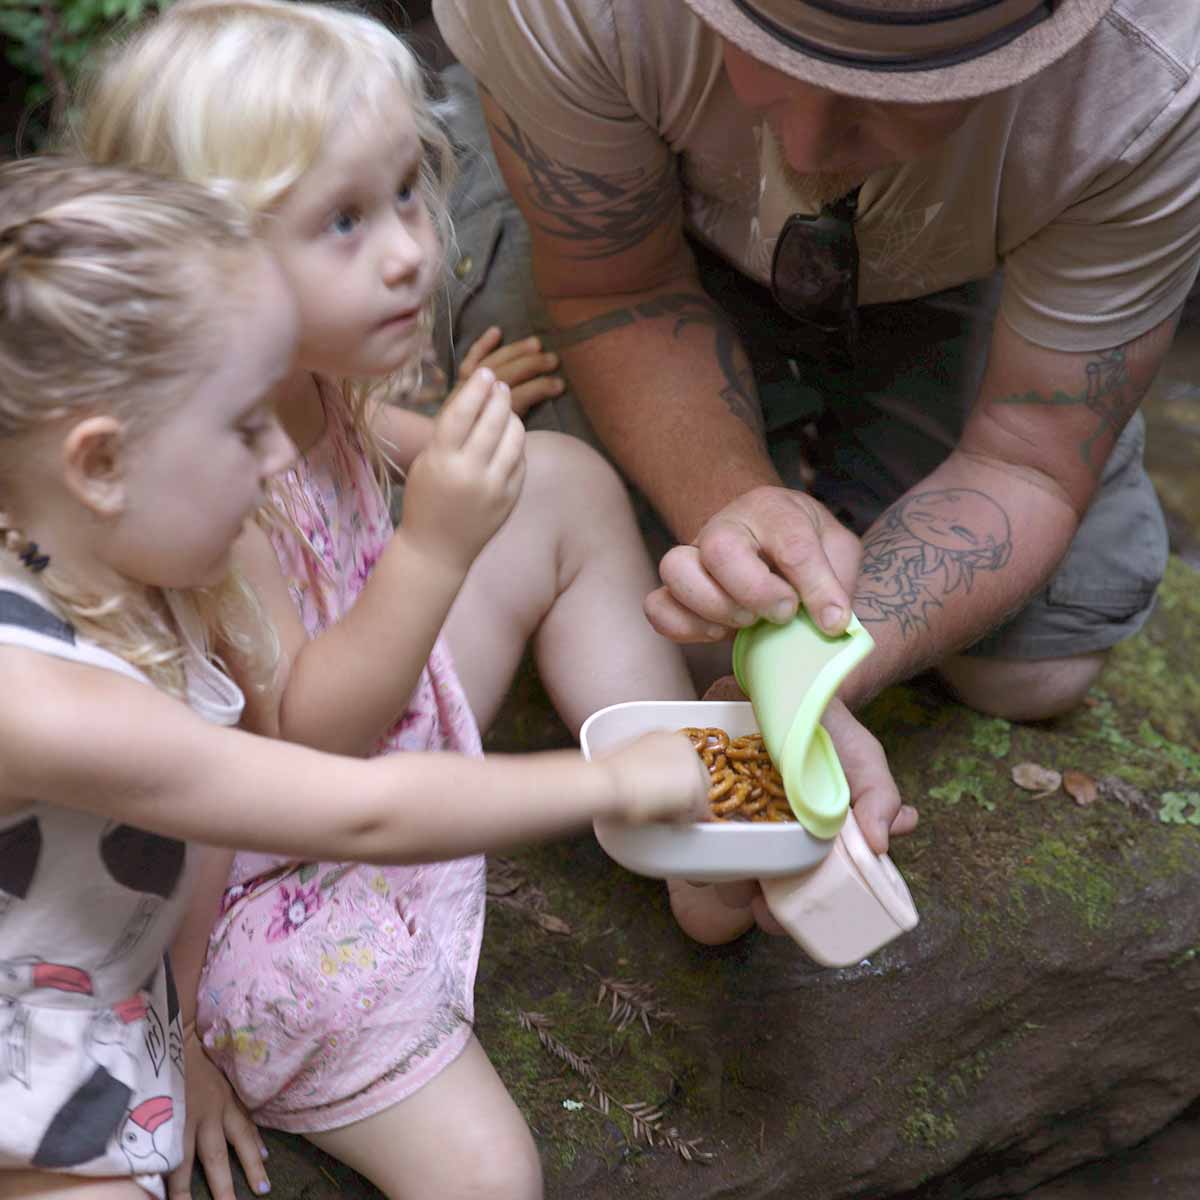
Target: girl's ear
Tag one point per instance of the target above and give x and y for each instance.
(91, 457)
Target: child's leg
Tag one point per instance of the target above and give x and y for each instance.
(46, 1185)
(569, 570)
(460, 1137)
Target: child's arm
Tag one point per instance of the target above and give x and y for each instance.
(215, 1116)
(86, 738)
(347, 687)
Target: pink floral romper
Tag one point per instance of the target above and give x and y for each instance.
(334, 990)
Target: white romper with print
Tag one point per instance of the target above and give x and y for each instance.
(91, 1047)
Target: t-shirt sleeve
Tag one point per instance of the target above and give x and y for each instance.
(1123, 257)
(557, 70)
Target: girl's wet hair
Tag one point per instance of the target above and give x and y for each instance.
(113, 295)
(243, 95)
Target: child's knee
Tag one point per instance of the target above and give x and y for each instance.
(564, 467)
(509, 1172)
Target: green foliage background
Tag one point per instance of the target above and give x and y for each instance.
(47, 40)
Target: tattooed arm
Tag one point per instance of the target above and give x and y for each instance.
(972, 542)
(657, 370)
(662, 376)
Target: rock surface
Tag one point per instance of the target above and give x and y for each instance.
(1045, 1014)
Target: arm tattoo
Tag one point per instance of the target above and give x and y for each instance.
(924, 548)
(687, 308)
(609, 213)
(1108, 394)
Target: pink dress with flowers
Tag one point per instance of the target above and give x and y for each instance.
(334, 990)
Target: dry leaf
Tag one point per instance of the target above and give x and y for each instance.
(1080, 787)
(1033, 777)
(551, 924)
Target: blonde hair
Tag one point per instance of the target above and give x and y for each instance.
(110, 286)
(243, 95)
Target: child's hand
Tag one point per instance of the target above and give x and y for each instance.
(659, 778)
(523, 365)
(215, 1120)
(462, 486)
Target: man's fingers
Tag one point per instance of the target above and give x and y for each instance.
(669, 618)
(730, 553)
(683, 571)
(798, 554)
(873, 790)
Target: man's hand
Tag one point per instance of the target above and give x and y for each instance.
(758, 557)
(524, 366)
(873, 795)
(215, 1120)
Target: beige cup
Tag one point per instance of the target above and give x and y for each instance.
(848, 906)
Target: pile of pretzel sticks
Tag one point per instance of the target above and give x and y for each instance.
(746, 785)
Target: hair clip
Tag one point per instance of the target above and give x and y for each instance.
(33, 560)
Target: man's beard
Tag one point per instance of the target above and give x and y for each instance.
(810, 192)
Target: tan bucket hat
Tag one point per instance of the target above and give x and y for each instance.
(914, 51)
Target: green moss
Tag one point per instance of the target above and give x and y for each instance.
(1056, 866)
(964, 777)
(991, 735)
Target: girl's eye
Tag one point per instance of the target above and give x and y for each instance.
(405, 193)
(251, 433)
(345, 222)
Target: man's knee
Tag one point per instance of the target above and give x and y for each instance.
(1022, 690)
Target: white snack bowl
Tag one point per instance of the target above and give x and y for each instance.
(838, 899)
(715, 852)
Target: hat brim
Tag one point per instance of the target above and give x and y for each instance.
(1001, 68)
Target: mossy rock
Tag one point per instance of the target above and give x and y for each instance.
(1046, 1011)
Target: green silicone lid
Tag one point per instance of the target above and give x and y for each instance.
(790, 672)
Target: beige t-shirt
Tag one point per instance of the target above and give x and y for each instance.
(1083, 182)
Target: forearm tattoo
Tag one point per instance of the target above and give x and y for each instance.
(604, 214)
(1108, 393)
(687, 309)
(927, 547)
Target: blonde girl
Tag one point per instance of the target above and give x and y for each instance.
(142, 332)
(339, 1001)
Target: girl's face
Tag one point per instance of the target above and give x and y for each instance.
(358, 246)
(192, 479)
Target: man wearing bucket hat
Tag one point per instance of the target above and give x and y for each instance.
(863, 295)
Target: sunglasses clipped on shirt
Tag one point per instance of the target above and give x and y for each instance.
(814, 280)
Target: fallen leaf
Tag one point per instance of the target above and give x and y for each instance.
(551, 924)
(1080, 787)
(1033, 777)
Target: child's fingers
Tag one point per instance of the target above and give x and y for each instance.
(493, 418)
(529, 347)
(526, 395)
(243, 1136)
(461, 411)
(179, 1182)
(213, 1154)
(509, 458)
(481, 347)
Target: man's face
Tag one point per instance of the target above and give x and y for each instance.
(823, 133)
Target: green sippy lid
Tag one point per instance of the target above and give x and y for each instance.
(790, 672)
